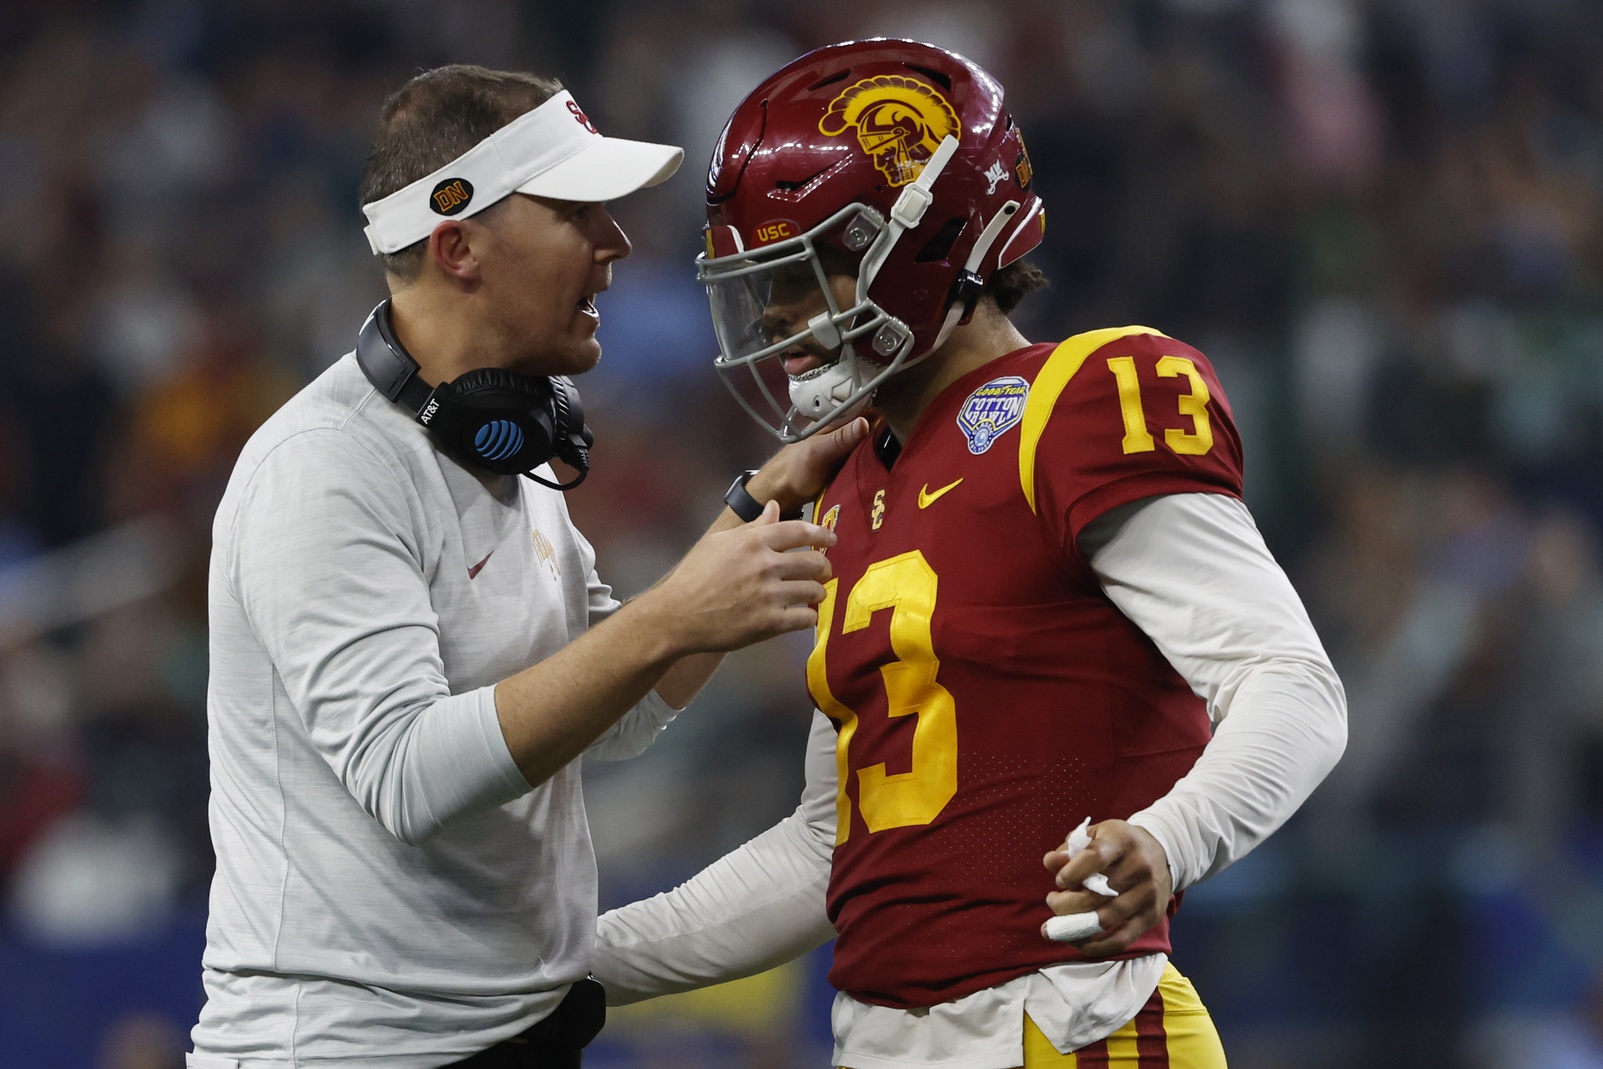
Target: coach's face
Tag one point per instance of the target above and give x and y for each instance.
(540, 272)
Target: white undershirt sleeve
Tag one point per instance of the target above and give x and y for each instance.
(758, 906)
(1193, 573)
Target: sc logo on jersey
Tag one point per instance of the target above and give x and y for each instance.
(991, 411)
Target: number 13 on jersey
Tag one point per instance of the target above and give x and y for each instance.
(906, 585)
(1137, 439)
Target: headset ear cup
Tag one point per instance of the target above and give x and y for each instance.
(500, 420)
(490, 418)
(498, 379)
(573, 437)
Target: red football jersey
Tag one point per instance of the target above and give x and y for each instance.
(988, 696)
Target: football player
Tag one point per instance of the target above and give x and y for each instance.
(1049, 603)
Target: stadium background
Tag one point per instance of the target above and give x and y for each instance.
(1383, 220)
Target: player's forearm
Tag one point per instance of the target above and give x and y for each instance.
(1285, 728)
(1192, 571)
(753, 909)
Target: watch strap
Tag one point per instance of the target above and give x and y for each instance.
(748, 508)
(739, 499)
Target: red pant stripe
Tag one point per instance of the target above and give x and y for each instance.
(1094, 1056)
(1151, 1040)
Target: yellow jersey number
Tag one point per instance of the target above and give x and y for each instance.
(1137, 439)
(906, 585)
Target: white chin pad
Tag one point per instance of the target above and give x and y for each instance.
(814, 397)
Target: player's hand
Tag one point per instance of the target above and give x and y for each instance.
(745, 584)
(799, 472)
(1135, 866)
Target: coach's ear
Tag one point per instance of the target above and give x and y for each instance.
(456, 247)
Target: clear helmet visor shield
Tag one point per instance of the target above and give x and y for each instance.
(743, 294)
(789, 327)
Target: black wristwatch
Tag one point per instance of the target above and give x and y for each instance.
(740, 501)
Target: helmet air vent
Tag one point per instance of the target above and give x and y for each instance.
(829, 79)
(791, 185)
(939, 246)
(940, 78)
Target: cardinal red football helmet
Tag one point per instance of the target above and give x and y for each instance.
(891, 161)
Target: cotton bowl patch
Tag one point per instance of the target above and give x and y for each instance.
(991, 411)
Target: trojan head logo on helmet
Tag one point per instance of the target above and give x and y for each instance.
(900, 122)
(857, 203)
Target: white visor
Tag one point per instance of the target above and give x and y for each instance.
(553, 151)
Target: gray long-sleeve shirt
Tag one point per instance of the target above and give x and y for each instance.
(389, 890)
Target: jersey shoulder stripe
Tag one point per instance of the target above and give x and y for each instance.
(1049, 384)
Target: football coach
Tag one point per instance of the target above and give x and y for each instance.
(410, 648)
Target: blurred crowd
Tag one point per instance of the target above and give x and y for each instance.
(1382, 219)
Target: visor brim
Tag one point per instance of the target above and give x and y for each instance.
(608, 168)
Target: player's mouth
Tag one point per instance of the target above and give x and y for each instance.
(798, 362)
(587, 307)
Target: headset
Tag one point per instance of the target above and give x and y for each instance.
(494, 419)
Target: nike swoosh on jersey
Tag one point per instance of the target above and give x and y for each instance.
(473, 571)
(927, 497)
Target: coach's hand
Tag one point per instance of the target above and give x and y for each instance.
(1135, 866)
(799, 472)
(744, 584)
